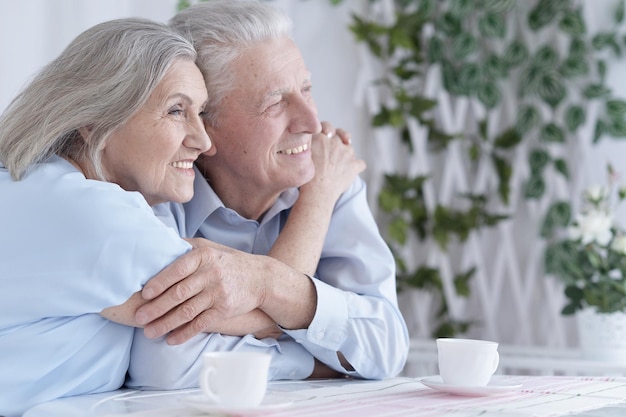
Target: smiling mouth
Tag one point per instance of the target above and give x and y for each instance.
(182, 164)
(294, 151)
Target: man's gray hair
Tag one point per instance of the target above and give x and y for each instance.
(97, 83)
(221, 31)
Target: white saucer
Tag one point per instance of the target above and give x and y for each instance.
(494, 387)
(200, 402)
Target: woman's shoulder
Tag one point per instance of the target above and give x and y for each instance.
(56, 189)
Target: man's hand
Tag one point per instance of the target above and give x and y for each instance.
(200, 291)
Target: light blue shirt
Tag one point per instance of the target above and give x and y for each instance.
(70, 247)
(357, 311)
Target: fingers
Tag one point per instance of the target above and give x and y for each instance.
(171, 319)
(202, 323)
(330, 132)
(344, 136)
(327, 129)
(170, 287)
(173, 273)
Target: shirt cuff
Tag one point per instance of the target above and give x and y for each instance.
(328, 328)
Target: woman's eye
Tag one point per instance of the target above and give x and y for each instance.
(175, 111)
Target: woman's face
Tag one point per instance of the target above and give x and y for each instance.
(154, 152)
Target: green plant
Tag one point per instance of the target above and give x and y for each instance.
(473, 45)
(591, 262)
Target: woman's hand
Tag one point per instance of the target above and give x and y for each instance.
(336, 164)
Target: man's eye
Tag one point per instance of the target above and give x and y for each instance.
(176, 111)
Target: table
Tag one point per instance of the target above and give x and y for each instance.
(539, 396)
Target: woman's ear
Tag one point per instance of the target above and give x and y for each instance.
(85, 132)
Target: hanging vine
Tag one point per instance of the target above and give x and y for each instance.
(478, 57)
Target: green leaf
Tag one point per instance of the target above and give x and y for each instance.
(491, 25)
(450, 25)
(617, 128)
(489, 94)
(530, 79)
(602, 70)
(451, 79)
(596, 91)
(498, 6)
(482, 129)
(558, 215)
(464, 45)
(538, 159)
(504, 171)
(561, 166)
(574, 117)
(398, 230)
(515, 54)
(574, 67)
(551, 133)
(606, 40)
(507, 139)
(551, 88)
(616, 109)
(462, 8)
(398, 38)
(618, 17)
(546, 57)
(535, 187)
(573, 23)
(577, 48)
(387, 116)
(599, 131)
(470, 77)
(541, 15)
(389, 201)
(495, 67)
(563, 260)
(527, 119)
(435, 49)
(461, 282)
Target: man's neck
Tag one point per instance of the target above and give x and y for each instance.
(246, 199)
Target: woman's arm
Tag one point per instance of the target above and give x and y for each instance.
(300, 242)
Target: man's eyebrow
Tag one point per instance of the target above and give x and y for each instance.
(279, 92)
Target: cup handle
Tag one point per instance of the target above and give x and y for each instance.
(206, 386)
(496, 362)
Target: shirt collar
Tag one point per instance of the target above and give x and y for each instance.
(205, 201)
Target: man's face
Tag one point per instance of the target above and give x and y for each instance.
(263, 134)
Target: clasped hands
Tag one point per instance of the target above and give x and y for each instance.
(205, 291)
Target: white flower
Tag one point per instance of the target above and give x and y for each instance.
(615, 274)
(594, 226)
(596, 193)
(619, 244)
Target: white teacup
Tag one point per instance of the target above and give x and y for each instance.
(235, 379)
(467, 362)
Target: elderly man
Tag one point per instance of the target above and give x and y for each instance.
(261, 118)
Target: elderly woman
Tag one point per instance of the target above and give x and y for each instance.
(119, 111)
(104, 132)
(261, 117)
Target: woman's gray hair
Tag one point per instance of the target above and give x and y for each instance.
(97, 83)
(221, 30)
